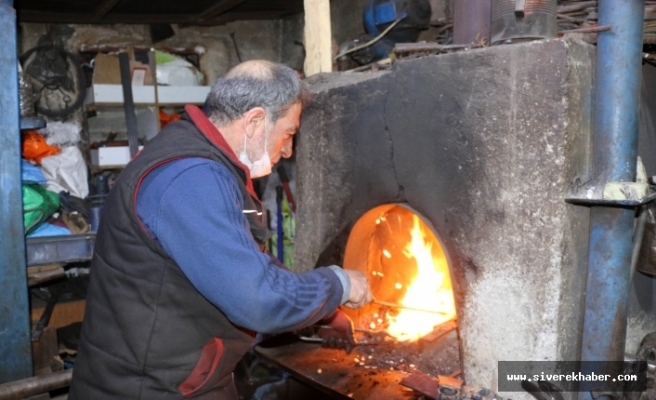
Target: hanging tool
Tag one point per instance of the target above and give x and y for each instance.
(128, 104)
(54, 294)
(234, 42)
(279, 229)
(282, 173)
(270, 240)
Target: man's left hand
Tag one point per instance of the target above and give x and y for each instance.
(338, 332)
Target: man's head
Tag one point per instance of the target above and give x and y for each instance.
(258, 104)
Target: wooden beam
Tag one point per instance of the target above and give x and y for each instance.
(102, 9)
(218, 9)
(318, 37)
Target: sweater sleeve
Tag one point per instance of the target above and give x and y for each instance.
(193, 208)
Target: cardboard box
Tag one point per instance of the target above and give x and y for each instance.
(107, 70)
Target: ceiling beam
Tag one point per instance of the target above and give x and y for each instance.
(102, 9)
(182, 19)
(243, 16)
(217, 9)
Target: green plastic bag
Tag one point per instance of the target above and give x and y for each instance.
(38, 205)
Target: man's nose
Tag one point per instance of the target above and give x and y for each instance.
(287, 149)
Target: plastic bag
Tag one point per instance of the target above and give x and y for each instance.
(31, 174)
(35, 147)
(38, 205)
(175, 71)
(48, 229)
(165, 119)
(67, 171)
(61, 133)
(26, 94)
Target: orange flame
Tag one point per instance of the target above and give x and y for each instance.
(430, 290)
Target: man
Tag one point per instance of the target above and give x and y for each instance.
(178, 282)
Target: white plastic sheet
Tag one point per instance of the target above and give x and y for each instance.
(178, 73)
(61, 133)
(66, 171)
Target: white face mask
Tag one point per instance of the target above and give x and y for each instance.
(261, 167)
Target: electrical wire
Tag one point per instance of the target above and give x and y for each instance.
(372, 41)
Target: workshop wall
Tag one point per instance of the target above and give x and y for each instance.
(346, 19)
(264, 39)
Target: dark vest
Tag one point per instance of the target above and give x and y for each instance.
(147, 332)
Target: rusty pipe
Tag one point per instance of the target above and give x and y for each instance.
(471, 21)
(36, 385)
(615, 145)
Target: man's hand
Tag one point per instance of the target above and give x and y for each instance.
(360, 290)
(338, 333)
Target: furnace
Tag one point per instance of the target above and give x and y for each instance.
(482, 146)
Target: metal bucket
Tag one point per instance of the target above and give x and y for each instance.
(523, 19)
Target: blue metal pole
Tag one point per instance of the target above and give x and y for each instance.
(15, 345)
(617, 96)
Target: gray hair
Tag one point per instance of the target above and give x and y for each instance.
(272, 86)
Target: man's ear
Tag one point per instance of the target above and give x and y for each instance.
(253, 119)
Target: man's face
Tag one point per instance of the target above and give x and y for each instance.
(282, 133)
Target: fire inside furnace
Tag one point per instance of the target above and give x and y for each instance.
(408, 271)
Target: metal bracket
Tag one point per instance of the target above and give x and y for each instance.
(618, 194)
(520, 6)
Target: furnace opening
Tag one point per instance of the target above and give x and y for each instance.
(410, 278)
(408, 270)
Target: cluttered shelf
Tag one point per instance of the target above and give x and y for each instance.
(109, 94)
(59, 182)
(179, 82)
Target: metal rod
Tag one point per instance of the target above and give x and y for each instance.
(417, 47)
(576, 7)
(36, 385)
(394, 305)
(15, 346)
(617, 94)
(592, 29)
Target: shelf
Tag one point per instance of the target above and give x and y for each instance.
(105, 94)
(59, 249)
(32, 123)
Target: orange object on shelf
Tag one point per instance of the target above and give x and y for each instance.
(165, 118)
(35, 147)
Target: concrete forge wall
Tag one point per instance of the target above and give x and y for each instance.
(485, 144)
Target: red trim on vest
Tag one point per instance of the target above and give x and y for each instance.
(210, 131)
(204, 370)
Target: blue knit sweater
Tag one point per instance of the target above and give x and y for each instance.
(193, 208)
